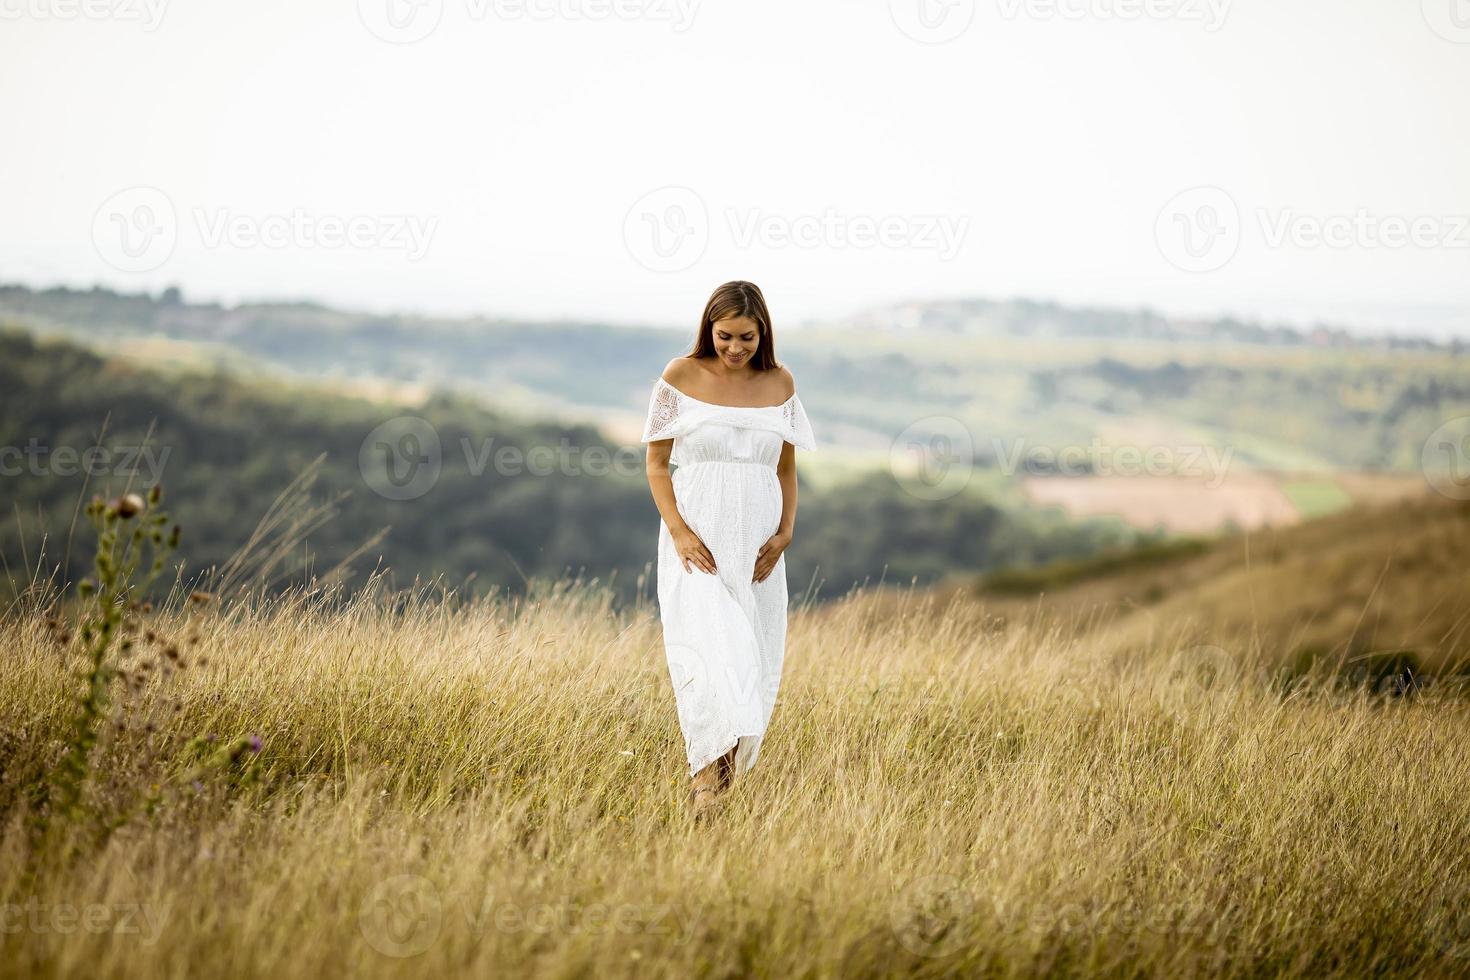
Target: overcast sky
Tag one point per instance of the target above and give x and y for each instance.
(1298, 160)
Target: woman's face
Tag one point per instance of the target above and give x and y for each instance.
(736, 340)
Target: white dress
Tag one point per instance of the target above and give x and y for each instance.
(724, 635)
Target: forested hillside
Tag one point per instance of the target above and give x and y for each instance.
(224, 449)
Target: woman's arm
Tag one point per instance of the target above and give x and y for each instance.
(765, 560)
(686, 542)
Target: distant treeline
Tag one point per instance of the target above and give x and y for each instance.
(1013, 373)
(507, 498)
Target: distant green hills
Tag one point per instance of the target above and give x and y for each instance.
(497, 499)
(1006, 373)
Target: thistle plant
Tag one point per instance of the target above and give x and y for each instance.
(131, 534)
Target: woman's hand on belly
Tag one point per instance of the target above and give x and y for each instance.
(770, 553)
(691, 549)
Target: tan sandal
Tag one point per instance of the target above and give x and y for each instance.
(704, 800)
(725, 773)
(704, 794)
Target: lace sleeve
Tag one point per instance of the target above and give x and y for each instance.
(663, 413)
(799, 426)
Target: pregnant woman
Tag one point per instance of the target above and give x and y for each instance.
(727, 417)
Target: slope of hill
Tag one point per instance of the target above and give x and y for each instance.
(1374, 579)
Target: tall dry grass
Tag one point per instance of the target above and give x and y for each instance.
(497, 788)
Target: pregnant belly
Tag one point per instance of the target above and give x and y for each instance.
(733, 507)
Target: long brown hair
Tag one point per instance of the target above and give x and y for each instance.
(737, 298)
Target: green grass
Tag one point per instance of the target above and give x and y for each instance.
(1316, 498)
(1057, 575)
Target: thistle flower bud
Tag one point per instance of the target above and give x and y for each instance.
(127, 505)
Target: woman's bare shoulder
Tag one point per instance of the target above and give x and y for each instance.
(784, 380)
(679, 369)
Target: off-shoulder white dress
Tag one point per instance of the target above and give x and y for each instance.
(724, 635)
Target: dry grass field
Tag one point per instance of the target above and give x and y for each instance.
(495, 787)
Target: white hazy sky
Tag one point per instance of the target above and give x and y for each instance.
(523, 138)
